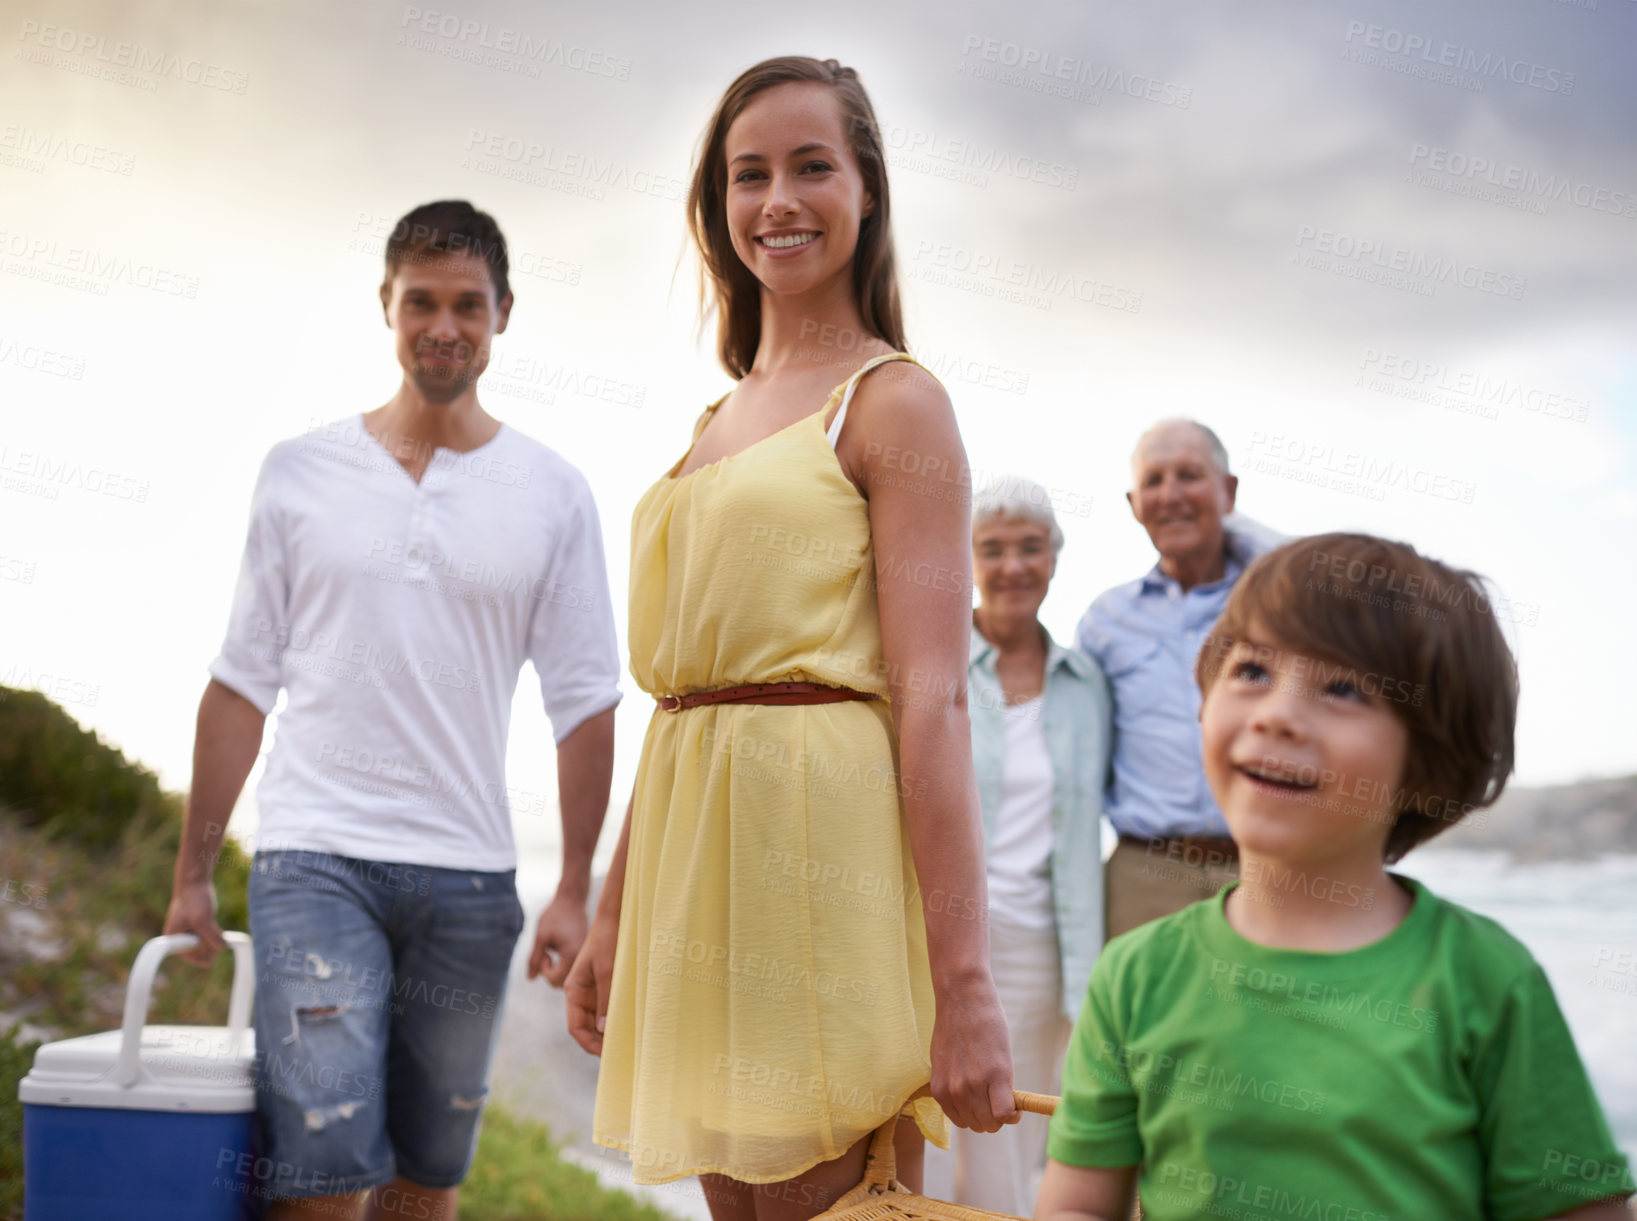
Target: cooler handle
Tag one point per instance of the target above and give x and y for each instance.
(139, 988)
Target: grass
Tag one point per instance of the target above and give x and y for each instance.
(519, 1175)
(15, 1059)
(87, 843)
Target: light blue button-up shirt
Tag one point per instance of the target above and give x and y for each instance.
(1079, 727)
(1147, 634)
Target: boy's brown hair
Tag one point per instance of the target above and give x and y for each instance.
(1424, 636)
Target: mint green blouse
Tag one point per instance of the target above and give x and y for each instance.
(1079, 727)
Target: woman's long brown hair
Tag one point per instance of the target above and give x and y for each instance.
(737, 292)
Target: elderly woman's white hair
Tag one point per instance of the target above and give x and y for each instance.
(1015, 496)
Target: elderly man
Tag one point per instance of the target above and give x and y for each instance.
(1173, 847)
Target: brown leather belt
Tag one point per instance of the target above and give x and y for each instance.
(1219, 847)
(765, 693)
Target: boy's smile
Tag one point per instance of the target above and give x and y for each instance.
(1303, 760)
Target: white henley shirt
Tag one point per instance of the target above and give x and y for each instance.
(397, 617)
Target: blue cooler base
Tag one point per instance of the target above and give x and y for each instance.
(97, 1164)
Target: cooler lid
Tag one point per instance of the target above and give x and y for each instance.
(182, 1068)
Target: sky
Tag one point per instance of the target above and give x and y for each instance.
(1387, 251)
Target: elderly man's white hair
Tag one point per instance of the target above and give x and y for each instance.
(1235, 523)
(1213, 443)
(1015, 496)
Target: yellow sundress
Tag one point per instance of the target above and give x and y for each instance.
(771, 1001)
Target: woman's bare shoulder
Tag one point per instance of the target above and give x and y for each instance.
(902, 391)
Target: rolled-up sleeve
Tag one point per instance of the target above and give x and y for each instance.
(250, 661)
(572, 642)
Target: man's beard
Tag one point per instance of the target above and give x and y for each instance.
(443, 386)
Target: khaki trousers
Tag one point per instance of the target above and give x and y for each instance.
(1144, 881)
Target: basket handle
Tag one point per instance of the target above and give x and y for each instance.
(1035, 1104)
(881, 1163)
(138, 990)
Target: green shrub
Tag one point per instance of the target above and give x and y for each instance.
(66, 781)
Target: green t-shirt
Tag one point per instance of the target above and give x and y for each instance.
(1428, 1075)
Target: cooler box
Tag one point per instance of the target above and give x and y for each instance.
(145, 1123)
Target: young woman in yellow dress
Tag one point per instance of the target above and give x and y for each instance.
(791, 940)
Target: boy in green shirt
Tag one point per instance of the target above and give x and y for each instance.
(1325, 1039)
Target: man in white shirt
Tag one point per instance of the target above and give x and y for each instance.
(401, 566)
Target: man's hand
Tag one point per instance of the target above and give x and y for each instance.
(193, 910)
(587, 987)
(557, 939)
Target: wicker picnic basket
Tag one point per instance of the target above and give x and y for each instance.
(881, 1197)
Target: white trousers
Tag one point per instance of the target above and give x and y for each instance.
(1001, 1171)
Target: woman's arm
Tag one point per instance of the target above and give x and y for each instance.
(908, 458)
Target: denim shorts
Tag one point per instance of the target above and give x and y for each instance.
(378, 996)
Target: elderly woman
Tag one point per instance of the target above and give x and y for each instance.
(1041, 727)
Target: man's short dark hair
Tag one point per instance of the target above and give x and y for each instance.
(449, 226)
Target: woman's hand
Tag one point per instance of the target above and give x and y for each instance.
(972, 1058)
(586, 988)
